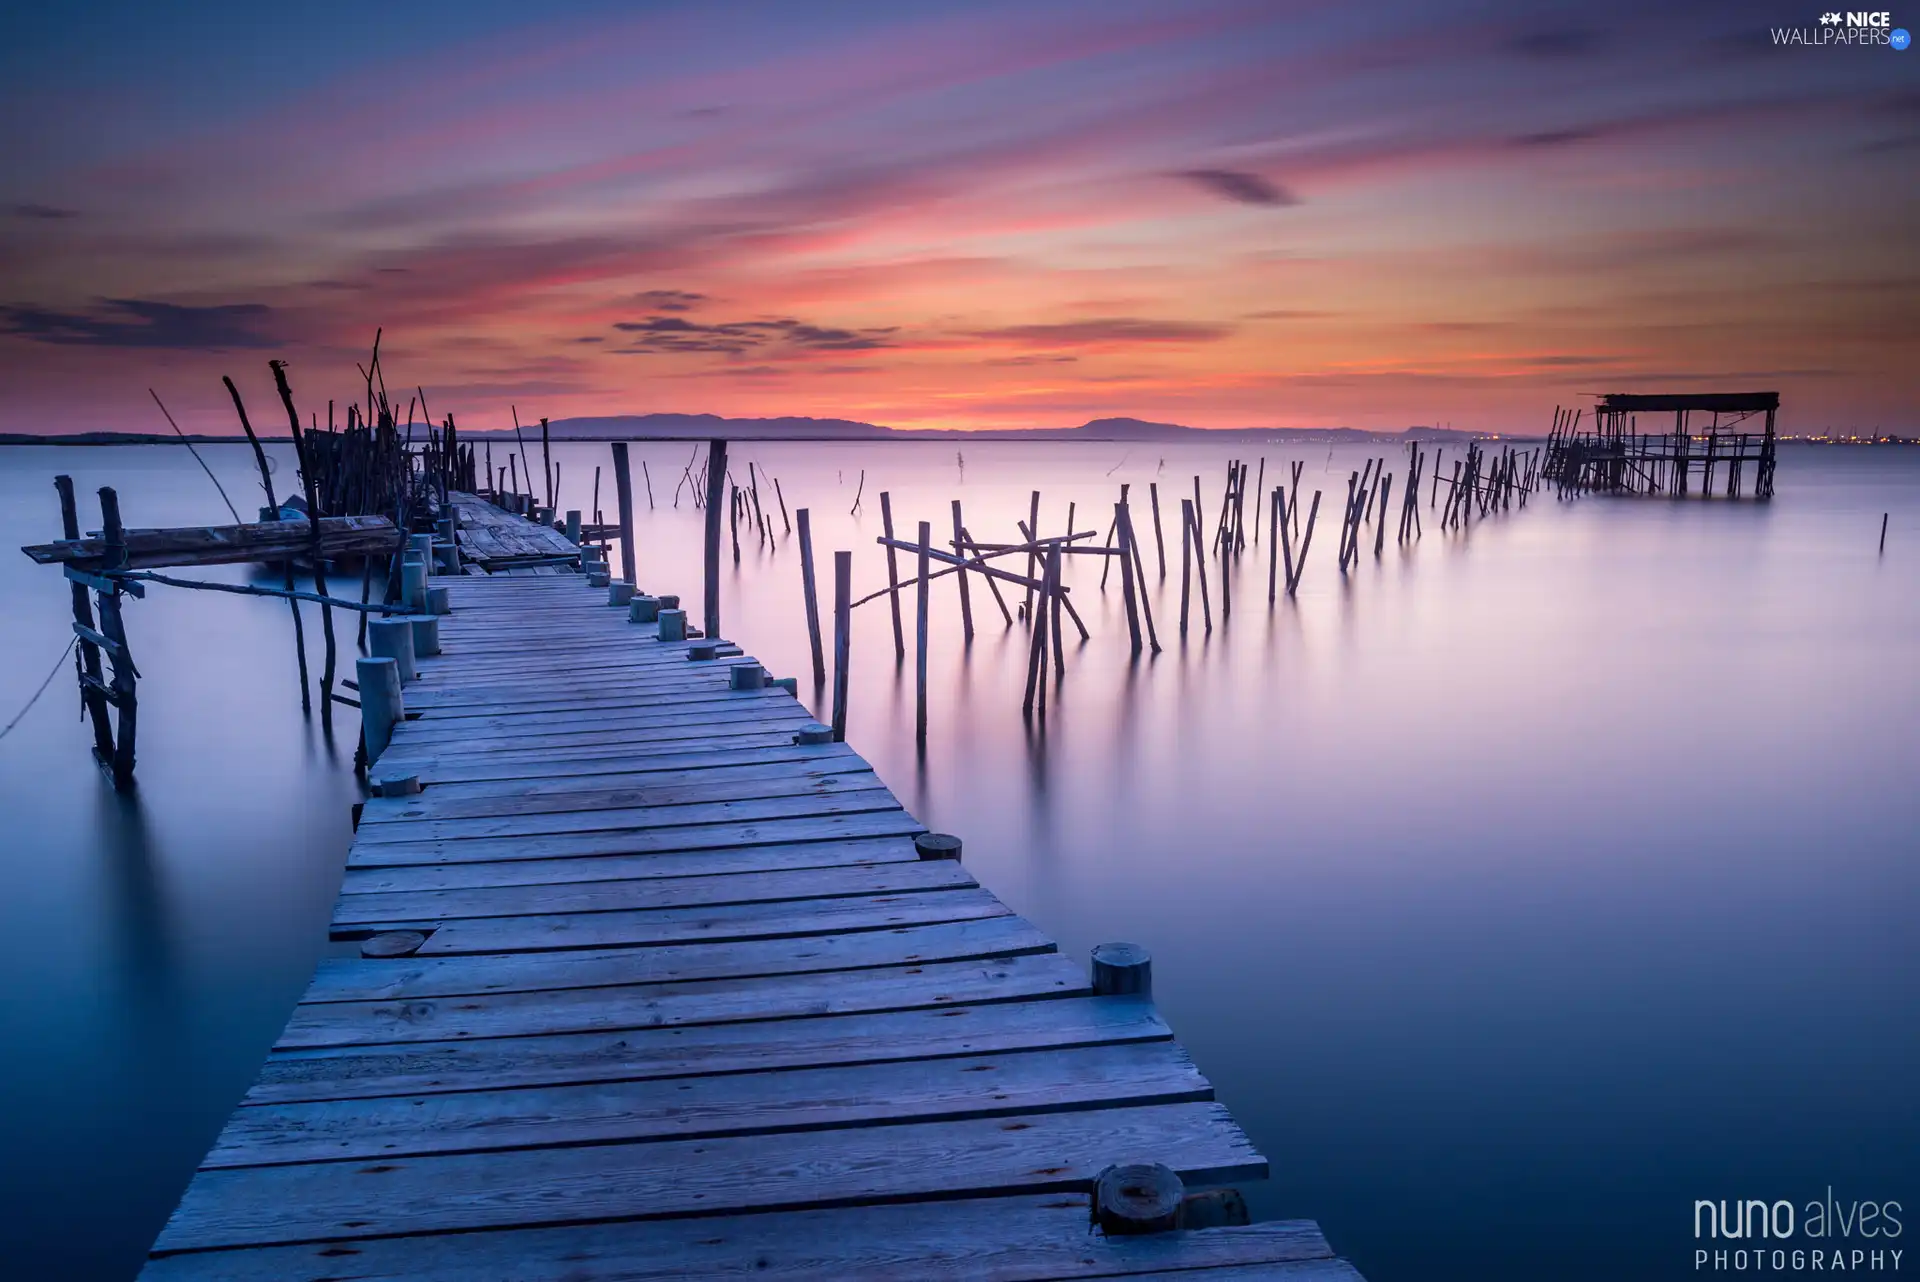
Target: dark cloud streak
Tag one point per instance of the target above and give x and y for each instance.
(141, 323)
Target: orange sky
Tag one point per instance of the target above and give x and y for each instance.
(963, 216)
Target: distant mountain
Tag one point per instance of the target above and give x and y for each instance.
(703, 426)
(640, 427)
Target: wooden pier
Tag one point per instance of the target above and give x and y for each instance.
(679, 996)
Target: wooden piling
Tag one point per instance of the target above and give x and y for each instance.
(842, 639)
(1192, 515)
(920, 637)
(1380, 526)
(893, 575)
(1057, 597)
(1139, 577)
(1273, 545)
(1126, 575)
(1259, 487)
(382, 703)
(87, 660)
(1033, 523)
(716, 492)
(812, 601)
(1159, 539)
(1186, 555)
(1306, 541)
(993, 586)
(546, 467)
(124, 695)
(623, 498)
(966, 601)
(1883, 530)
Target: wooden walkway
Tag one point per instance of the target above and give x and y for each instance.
(689, 1006)
(497, 539)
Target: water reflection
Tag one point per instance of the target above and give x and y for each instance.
(1511, 889)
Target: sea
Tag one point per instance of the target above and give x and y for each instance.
(1517, 888)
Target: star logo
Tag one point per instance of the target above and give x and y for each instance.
(1829, 19)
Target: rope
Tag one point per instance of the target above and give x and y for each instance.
(58, 664)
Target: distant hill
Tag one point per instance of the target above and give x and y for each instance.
(703, 426)
(640, 427)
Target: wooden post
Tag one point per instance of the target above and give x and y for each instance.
(920, 639)
(1036, 661)
(309, 488)
(112, 627)
(842, 639)
(1033, 524)
(1192, 513)
(1122, 970)
(966, 602)
(1380, 525)
(1126, 575)
(716, 493)
(87, 659)
(1186, 569)
(623, 496)
(1274, 532)
(1057, 597)
(993, 585)
(266, 483)
(1138, 1198)
(1139, 578)
(1300, 566)
(937, 845)
(893, 575)
(1288, 520)
(392, 638)
(734, 505)
(1259, 484)
(546, 463)
(1159, 539)
(812, 601)
(382, 705)
(1883, 528)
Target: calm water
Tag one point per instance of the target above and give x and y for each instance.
(1515, 892)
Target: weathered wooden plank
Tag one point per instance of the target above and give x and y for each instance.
(925, 981)
(506, 797)
(726, 861)
(684, 732)
(684, 804)
(860, 822)
(752, 744)
(411, 742)
(1008, 1239)
(411, 979)
(991, 1028)
(594, 707)
(815, 1099)
(657, 927)
(1034, 1153)
(358, 912)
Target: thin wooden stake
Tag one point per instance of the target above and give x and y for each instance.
(716, 494)
(812, 601)
(921, 638)
(1159, 539)
(966, 601)
(893, 575)
(842, 639)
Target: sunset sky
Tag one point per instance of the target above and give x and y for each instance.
(933, 215)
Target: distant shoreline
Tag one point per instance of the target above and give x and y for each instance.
(1326, 436)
